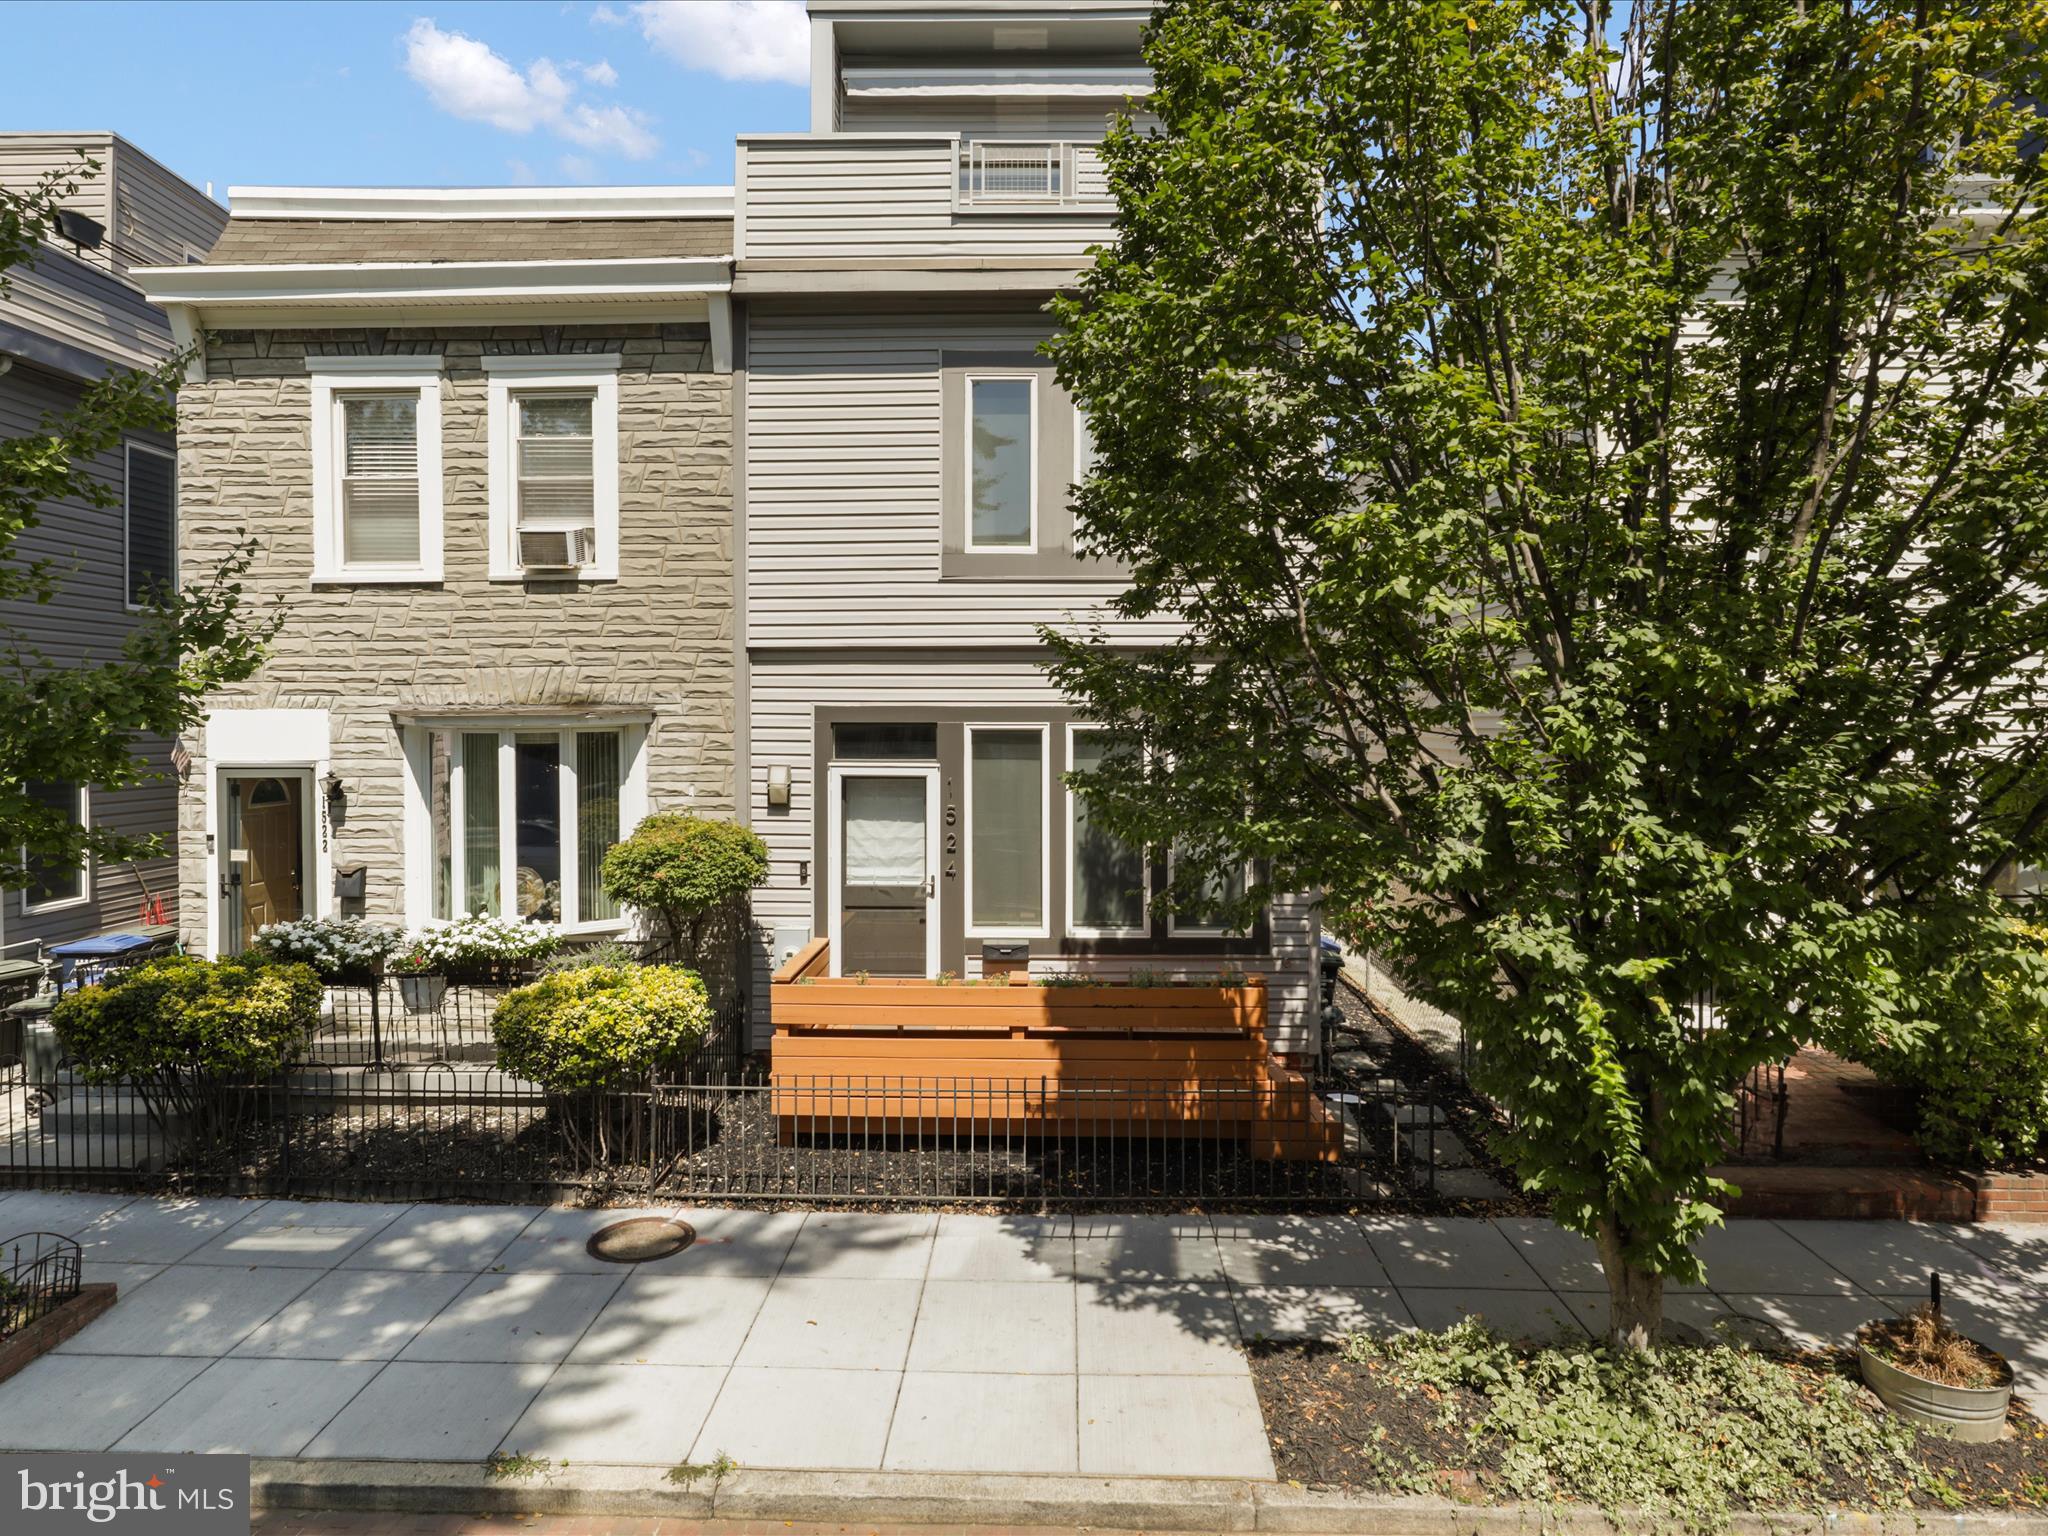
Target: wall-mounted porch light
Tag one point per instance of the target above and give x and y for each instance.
(778, 784)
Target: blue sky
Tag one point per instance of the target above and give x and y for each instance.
(376, 94)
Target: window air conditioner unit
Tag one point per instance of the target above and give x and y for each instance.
(557, 549)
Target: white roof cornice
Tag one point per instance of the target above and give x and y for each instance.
(216, 289)
(481, 202)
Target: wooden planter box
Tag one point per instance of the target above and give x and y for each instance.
(890, 1056)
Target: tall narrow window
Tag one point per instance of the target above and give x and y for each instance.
(380, 479)
(554, 453)
(1000, 469)
(50, 883)
(1006, 829)
(1109, 875)
(537, 804)
(597, 821)
(440, 793)
(480, 830)
(151, 523)
(1218, 892)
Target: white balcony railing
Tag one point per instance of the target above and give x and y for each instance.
(1048, 172)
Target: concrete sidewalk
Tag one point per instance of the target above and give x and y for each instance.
(971, 1344)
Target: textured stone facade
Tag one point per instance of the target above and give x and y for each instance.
(659, 640)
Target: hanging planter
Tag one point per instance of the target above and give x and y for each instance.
(422, 993)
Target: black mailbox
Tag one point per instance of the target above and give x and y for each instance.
(1011, 952)
(351, 882)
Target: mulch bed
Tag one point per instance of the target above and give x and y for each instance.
(1394, 1053)
(1323, 1410)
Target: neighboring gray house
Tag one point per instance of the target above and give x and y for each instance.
(73, 315)
(483, 441)
(906, 463)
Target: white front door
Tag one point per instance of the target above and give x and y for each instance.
(885, 862)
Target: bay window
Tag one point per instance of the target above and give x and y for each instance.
(1006, 831)
(517, 819)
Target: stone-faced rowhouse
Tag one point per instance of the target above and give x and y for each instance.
(481, 443)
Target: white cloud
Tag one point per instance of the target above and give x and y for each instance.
(605, 16)
(600, 73)
(471, 80)
(616, 128)
(734, 39)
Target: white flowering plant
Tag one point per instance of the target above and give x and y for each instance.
(474, 944)
(337, 948)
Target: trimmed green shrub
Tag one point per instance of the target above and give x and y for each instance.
(1980, 1074)
(182, 1031)
(690, 877)
(601, 1026)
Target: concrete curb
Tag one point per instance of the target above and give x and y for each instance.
(938, 1498)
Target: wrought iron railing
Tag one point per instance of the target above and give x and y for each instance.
(39, 1272)
(467, 1130)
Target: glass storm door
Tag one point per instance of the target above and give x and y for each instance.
(885, 851)
(263, 855)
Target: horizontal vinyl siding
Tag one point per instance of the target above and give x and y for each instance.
(160, 214)
(784, 695)
(24, 161)
(843, 511)
(817, 197)
(74, 304)
(86, 621)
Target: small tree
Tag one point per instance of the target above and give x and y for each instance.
(593, 1038)
(1595, 460)
(691, 878)
(82, 723)
(186, 1034)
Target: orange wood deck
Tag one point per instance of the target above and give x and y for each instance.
(894, 1056)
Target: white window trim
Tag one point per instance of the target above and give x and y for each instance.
(392, 375)
(1074, 929)
(85, 872)
(130, 449)
(597, 372)
(836, 775)
(967, 382)
(419, 829)
(1044, 928)
(1175, 928)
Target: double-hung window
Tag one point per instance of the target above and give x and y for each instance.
(1002, 462)
(52, 884)
(1109, 881)
(518, 819)
(377, 469)
(1008, 882)
(150, 523)
(554, 467)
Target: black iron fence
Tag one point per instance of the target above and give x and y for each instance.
(457, 1130)
(39, 1272)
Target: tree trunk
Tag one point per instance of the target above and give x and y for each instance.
(1635, 1297)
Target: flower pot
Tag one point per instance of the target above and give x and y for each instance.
(1972, 1414)
(422, 994)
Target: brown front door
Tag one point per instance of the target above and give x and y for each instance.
(263, 856)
